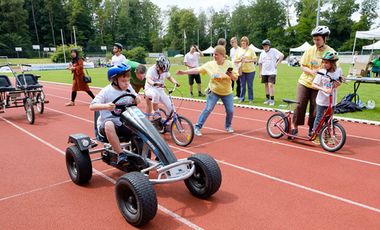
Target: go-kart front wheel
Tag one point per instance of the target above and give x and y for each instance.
(78, 165)
(40, 103)
(29, 109)
(136, 198)
(207, 177)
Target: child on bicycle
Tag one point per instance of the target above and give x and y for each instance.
(155, 82)
(109, 125)
(326, 81)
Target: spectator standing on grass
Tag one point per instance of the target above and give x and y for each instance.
(118, 58)
(233, 51)
(76, 67)
(311, 62)
(221, 74)
(191, 60)
(246, 58)
(268, 62)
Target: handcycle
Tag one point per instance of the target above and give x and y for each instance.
(331, 134)
(181, 129)
(27, 93)
(134, 191)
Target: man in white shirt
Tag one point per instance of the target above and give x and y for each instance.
(118, 58)
(268, 61)
(233, 51)
(191, 60)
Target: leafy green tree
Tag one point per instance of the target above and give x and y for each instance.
(58, 56)
(306, 11)
(137, 54)
(14, 28)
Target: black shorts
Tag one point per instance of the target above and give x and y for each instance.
(195, 77)
(121, 131)
(268, 79)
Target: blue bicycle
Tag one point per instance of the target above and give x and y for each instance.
(181, 129)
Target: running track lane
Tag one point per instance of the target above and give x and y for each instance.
(197, 206)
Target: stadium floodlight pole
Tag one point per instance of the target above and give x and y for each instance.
(198, 38)
(318, 12)
(184, 42)
(75, 38)
(63, 46)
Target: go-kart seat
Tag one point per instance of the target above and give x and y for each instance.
(5, 84)
(102, 138)
(31, 82)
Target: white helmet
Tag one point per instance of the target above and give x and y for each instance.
(320, 31)
(163, 63)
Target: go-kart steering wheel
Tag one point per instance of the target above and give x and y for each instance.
(120, 107)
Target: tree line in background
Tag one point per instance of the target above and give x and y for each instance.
(24, 23)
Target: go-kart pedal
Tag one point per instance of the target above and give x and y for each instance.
(128, 158)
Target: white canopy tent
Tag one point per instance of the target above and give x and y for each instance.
(369, 35)
(254, 48)
(301, 48)
(374, 46)
(209, 50)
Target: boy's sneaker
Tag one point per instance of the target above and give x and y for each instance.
(316, 141)
(266, 102)
(229, 130)
(191, 94)
(200, 94)
(271, 102)
(236, 97)
(250, 102)
(197, 132)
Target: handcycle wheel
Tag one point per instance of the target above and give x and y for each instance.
(182, 131)
(136, 198)
(207, 177)
(162, 129)
(332, 139)
(78, 165)
(29, 109)
(40, 104)
(275, 122)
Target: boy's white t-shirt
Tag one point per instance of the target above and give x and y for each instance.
(268, 61)
(117, 60)
(192, 59)
(155, 77)
(107, 95)
(324, 80)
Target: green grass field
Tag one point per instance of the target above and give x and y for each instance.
(285, 86)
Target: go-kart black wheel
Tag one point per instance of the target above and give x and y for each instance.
(207, 177)
(332, 137)
(29, 109)
(136, 198)
(182, 131)
(78, 165)
(40, 104)
(275, 122)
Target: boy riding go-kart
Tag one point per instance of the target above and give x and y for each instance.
(129, 139)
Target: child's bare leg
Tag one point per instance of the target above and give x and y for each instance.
(109, 128)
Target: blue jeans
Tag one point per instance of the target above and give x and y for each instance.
(318, 117)
(212, 99)
(244, 79)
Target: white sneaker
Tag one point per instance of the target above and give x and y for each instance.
(197, 132)
(266, 101)
(235, 98)
(271, 102)
(229, 130)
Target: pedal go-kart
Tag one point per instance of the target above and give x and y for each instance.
(134, 191)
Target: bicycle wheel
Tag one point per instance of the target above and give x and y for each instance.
(182, 131)
(333, 137)
(40, 104)
(28, 105)
(276, 123)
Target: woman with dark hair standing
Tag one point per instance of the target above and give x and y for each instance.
(76, 67)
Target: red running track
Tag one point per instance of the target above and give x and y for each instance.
(267, 183)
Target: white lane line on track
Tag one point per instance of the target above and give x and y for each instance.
(258, 139)
(286, 181)
(161, 208)
(235, 116)
(293, 184)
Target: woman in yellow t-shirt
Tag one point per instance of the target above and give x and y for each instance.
(221, 74)
(311, 62)
(246, 57)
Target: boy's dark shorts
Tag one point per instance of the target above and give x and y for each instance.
(195, 77)
(120, 131)
(268, 79)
